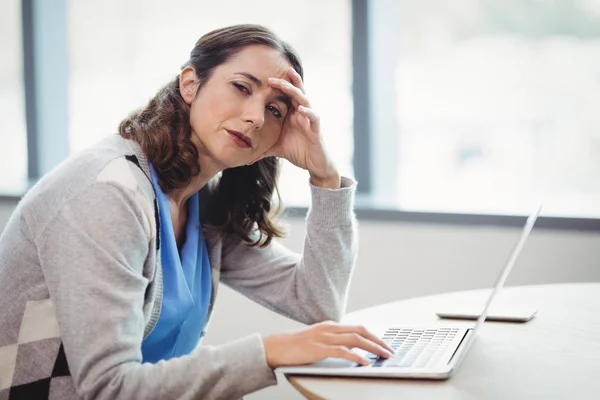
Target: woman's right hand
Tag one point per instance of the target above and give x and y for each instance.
(322, 340)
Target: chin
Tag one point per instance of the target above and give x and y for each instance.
(227, 156)
(229, 160)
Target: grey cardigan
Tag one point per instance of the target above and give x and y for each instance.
(81, 286)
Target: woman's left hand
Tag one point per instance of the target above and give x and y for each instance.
(300, 141)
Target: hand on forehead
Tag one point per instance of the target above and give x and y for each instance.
(283, 70)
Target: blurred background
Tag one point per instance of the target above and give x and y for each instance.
(456, 117)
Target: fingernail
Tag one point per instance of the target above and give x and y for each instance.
(272, 79)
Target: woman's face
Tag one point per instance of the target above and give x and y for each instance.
(236, 116)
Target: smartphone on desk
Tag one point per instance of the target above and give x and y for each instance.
(510, 314)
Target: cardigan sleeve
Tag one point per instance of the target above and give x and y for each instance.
(92, 254)
(308, 287)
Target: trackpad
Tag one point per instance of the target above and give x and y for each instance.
(333, 363)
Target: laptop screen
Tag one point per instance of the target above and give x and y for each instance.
(509, 264)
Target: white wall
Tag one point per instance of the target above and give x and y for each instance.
(400, 260)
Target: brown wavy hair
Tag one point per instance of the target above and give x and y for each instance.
(241, 202)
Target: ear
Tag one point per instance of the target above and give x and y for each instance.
(188, 84)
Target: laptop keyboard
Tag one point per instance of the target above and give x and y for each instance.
(414, 348)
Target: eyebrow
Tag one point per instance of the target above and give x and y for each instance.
(254, 79)
(282, 98)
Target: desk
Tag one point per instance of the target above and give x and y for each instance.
(556, 355)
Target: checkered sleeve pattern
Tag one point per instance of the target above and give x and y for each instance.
(35, 366)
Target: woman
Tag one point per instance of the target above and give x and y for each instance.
(110, 265)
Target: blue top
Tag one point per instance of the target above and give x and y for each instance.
(187, 285)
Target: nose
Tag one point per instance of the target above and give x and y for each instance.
(254, 114)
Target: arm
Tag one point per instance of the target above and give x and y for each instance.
(312, 287)
(92, 254)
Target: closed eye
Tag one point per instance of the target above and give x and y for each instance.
(241, 88)
(273, 110)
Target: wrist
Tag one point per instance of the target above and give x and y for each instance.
(331, 180)
(269, 343)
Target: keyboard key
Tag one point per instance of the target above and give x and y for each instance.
(379, 362)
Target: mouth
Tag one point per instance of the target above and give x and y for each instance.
(240, 139)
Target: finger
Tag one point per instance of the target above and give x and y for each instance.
(287, 88)
(296, 79)
(378, 340)
(295, 93)
(352, 340)
(314, 119)
(346, 353)
(363, 332)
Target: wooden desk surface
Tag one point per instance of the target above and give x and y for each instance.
(556, 355)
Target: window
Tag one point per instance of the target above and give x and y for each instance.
(13, 136)
(494, 104)
(122, 52)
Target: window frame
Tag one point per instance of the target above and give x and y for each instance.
(45, 74)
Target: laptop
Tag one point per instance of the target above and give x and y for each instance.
(420, 352)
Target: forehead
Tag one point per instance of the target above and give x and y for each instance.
(261, 61)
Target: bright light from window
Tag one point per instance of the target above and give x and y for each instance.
(13, 134)
(497, 106)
